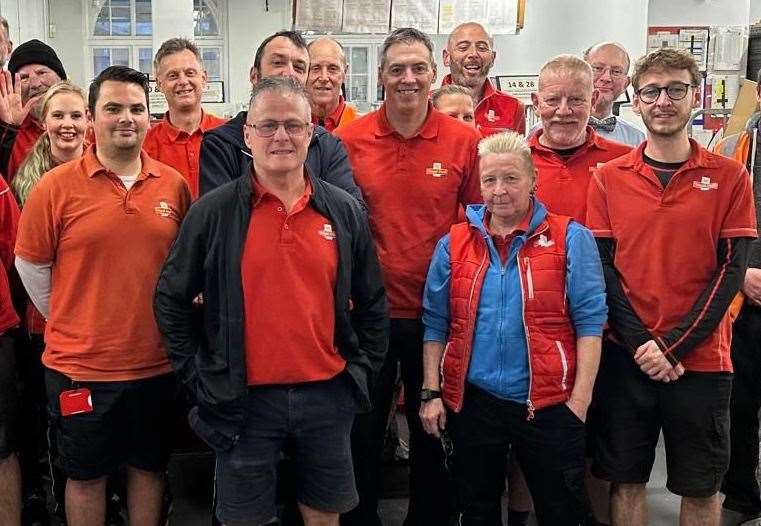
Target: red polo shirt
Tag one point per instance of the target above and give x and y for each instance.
(341, 115)
(288, 270)
(9, 216)
(497, 111)
(179, 149)
(562, 182)
(666, 239)
(28, 133)
(414, 189)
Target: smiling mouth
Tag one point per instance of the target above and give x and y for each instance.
(184, 92)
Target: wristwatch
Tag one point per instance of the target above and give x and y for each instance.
(426, 395)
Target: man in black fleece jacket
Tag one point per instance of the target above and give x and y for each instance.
(224, 154)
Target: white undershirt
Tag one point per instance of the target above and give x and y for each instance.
(36, 278)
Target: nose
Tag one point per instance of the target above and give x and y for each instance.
(280, 133)
(564, 108)
(322, 74)
(663, 98)
(408, 75)
(288, 70)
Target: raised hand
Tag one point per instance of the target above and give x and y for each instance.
(12, 110)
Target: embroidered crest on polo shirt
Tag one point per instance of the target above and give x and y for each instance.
(543, 242)
(491, 116)
(437, 170)
(164, 209)
(705, 184)
(327, 232)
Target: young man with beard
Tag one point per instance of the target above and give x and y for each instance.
(417, 168)
(470, 55)
(93, 235)
(674, 224)
(610, 66)
(327, 73)
(176, 140)
(32, 69)
(566, 150)
(224, 153)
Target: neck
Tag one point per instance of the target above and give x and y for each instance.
(503, 226)
(323, 110)
(407, 123)
(186, 120)
(479, 91)
(127, 163)
(288, 186)
(671, 149)
(602, 110)
(63, 156)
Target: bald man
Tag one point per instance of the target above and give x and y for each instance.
(610, 69)
(327, 72)
(470, 55)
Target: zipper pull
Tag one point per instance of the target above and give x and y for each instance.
(530, 406)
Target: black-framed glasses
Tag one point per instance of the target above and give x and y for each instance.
(674, 91)
(269, 128)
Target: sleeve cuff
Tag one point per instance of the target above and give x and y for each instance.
(434, 335)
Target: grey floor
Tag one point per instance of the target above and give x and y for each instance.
(191, 484)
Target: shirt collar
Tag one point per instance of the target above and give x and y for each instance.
(428, 130)
(93, 167)
(259, 192)
(174, 132)
(335, 117)
(592, 140)
(699, 158)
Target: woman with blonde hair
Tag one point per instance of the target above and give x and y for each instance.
(64, 118)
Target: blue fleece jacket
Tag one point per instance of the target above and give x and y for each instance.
(499, 356)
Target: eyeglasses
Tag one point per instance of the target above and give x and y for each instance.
(675, 91)
(269, 128)
(616, 73)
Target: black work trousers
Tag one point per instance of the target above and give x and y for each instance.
(429, 487)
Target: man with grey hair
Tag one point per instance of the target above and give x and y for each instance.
(276, 361)
(610, 68)
(470, 56)
(327, 72)
(176, 140)
(417, 168)
(566, 149)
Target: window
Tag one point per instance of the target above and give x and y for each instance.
(212, 61)
(363, 56)
(208, 21)
(358, 78)
(205, 14)
(120, 34)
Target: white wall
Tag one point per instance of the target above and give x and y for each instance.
(69, 39)
(700, 12)
(755, 12)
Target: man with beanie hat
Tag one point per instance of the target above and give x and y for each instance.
(32, 69)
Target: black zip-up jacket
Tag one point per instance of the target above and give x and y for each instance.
(224, 156)
(210, 358)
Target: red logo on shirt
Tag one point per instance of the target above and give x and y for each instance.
(437, 170)
(705, 184)
(327, 232)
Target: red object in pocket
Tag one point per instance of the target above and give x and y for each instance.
(75, 401)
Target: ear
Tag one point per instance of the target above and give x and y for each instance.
(628, 81)
(535, 101)
(253, 75)
(635, 105)
(445, 56)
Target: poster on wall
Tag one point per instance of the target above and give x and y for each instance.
(323, 16)
(519, 86)
(366, 16)
(691, 39)
(420, 14)
(499, 16)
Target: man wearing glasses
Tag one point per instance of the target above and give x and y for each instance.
(674, 223)
(295, 322)
(610, 68)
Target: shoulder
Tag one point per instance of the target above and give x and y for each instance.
(506, 99)
(615, 148)
(726, 166)
(356, 128)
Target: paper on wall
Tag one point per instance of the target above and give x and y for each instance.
(323, 16)
(366, 16)
(420, 14)
(728, 47)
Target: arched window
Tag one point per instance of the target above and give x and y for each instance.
(120, 34)
(207, 24)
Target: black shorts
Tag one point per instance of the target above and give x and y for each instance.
(314, 420)
(131, 423)
(8, 398)
(693, 413)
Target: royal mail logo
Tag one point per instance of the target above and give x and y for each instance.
(164, 209)
(327, 232)
(437, 170)
(491, 116)
(543, 242)
(705, 184)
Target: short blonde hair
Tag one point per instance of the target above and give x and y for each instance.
(566, 64)
(451, 89)
(507, 142)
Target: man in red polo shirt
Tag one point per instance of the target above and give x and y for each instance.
(469, 55)
(674, 224)
(92, 237)
(327, 73)
(32, 69)
(176, 140)
(566, 150)
(296, 324)
(416, 167)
